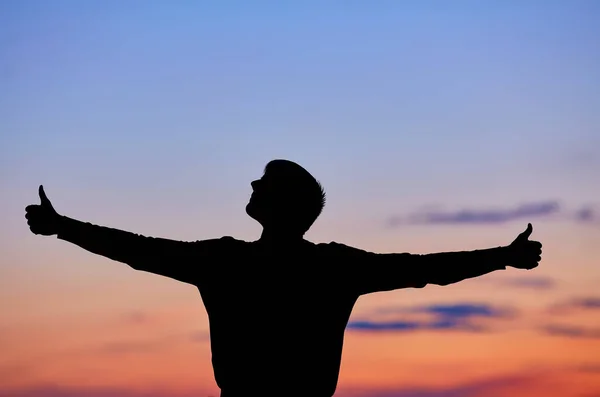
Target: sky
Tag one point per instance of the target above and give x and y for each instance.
(433, 126)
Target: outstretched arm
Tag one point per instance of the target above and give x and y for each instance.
(385, 272)
(175, 259)
(180, 260)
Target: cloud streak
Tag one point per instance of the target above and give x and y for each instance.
(590, 302)
(576, 304)
(530, 383)
(63, 391)
(147, 346)
(115, 348)
(496, 386)
(588, 215)
(493, 216)
(135, 347)
(458, 317)
(569, 306)
(571, 331)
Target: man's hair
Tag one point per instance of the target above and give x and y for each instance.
(305, 193)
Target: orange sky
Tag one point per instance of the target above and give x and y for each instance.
(145, 332)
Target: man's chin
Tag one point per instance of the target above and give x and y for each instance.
(250, 210)
(254, 212)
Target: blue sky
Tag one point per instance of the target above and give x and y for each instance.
(394, 104)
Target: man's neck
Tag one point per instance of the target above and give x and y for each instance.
(280, 237)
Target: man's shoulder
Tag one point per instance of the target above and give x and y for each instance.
(225, 242)
(338, 249)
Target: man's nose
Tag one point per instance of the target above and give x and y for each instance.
(254, 184)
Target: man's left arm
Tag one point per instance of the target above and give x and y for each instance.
(385, 272)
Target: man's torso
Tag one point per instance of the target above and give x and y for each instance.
(277, 317)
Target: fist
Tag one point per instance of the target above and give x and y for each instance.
(525, 253)
(42, 218)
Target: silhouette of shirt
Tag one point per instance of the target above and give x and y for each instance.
(277, 315)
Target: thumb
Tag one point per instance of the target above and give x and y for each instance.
(44, 198)
(525, 235)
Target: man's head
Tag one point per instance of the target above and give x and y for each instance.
(286, 198)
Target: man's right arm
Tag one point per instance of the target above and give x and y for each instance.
(183, 261)
(180, 260)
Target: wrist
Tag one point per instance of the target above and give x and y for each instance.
(61, 222)
(507, 255)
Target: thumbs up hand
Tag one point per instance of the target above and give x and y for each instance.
(525, 253)
(42, 218)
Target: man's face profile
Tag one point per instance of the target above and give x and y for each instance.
(286, 197)
(267, 197)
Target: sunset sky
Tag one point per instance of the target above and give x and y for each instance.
(433, 126)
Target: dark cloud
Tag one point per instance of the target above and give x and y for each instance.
(385, 325)
(458, 316)
(443, 324)
(465, 310)
(571, 331)
(492, 216)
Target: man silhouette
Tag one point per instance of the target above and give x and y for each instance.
(278, 306)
